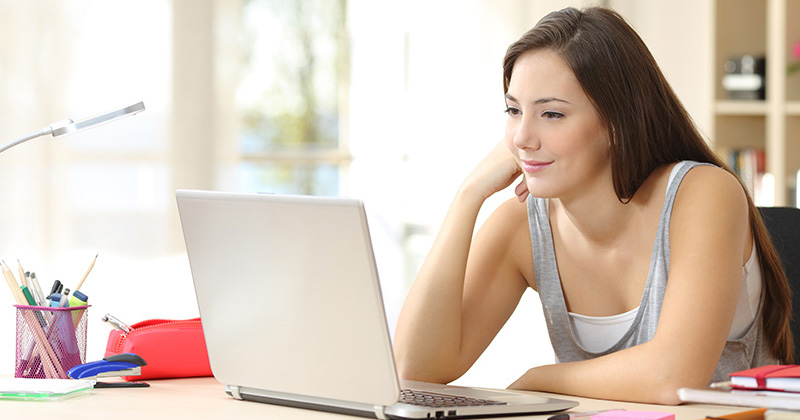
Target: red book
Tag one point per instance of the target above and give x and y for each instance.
(770, 377)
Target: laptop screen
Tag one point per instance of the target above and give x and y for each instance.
(288, 294)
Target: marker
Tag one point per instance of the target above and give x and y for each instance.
(56, 287)
(578, 415)
(28, 296)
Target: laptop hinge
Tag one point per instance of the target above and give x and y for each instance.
(234, 390)
(379, 412)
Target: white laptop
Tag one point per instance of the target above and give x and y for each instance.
(292, 311)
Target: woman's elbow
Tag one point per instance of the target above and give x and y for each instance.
(412, 369)
(666, 384)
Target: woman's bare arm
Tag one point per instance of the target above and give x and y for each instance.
(466, 289)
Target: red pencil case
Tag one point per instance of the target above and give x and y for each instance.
(171, 348)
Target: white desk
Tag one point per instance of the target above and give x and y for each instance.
(204, 398)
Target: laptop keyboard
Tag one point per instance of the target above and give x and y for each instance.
(430, 399)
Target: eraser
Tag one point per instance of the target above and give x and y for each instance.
(633, 415)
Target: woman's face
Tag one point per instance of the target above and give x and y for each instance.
(553, 129)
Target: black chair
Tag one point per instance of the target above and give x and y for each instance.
(783, 224)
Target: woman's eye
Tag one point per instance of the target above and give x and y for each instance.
(512, 111)
(551, 115)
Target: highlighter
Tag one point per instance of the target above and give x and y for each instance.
(78, 299)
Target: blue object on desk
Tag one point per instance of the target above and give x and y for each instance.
(125, 364)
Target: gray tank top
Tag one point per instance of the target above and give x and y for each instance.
(750, 350)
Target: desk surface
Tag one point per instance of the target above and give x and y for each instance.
(195, 398)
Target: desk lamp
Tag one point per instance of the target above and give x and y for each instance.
(66, 127)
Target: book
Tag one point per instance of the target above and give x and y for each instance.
(781, 415)
(742, 398)
(770, 377)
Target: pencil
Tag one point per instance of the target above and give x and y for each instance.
(22, 274)
(45, 351)
(89, 270)
(13, 285)
(757, 414)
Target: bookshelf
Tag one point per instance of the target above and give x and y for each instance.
(766, 28)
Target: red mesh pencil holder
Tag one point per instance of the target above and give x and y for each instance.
(50, 341)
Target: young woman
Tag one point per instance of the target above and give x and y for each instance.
(653, 265)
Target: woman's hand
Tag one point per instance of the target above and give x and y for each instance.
(497, 171)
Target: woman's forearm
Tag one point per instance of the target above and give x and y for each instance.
(636, 374)
(430, 343)
(428, 335)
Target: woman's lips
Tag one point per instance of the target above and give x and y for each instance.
(532, 166)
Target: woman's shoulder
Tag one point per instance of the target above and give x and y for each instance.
(710, 194)
(711, 184)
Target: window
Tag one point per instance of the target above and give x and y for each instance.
(292, 97)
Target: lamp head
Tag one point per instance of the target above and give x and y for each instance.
(66, 127)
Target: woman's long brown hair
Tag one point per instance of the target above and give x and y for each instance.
(648, 125)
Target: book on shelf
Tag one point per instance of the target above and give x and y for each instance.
(750, 165)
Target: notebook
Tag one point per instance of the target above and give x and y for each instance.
(292, 311)
(35, 389)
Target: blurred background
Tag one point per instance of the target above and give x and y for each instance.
(392, 102)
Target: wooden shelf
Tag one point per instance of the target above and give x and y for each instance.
(759, 27)
(793, 108)
(735, 107)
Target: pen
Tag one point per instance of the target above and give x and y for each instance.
(63, 302)
(724, 385)
(578, 415)
(36, 288)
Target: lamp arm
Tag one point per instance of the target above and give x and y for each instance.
(43, 132)
(12, 143)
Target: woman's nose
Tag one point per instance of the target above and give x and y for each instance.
(525, 136)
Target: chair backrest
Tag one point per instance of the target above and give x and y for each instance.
(783, 224)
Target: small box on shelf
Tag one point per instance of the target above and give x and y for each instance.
(745, 77)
